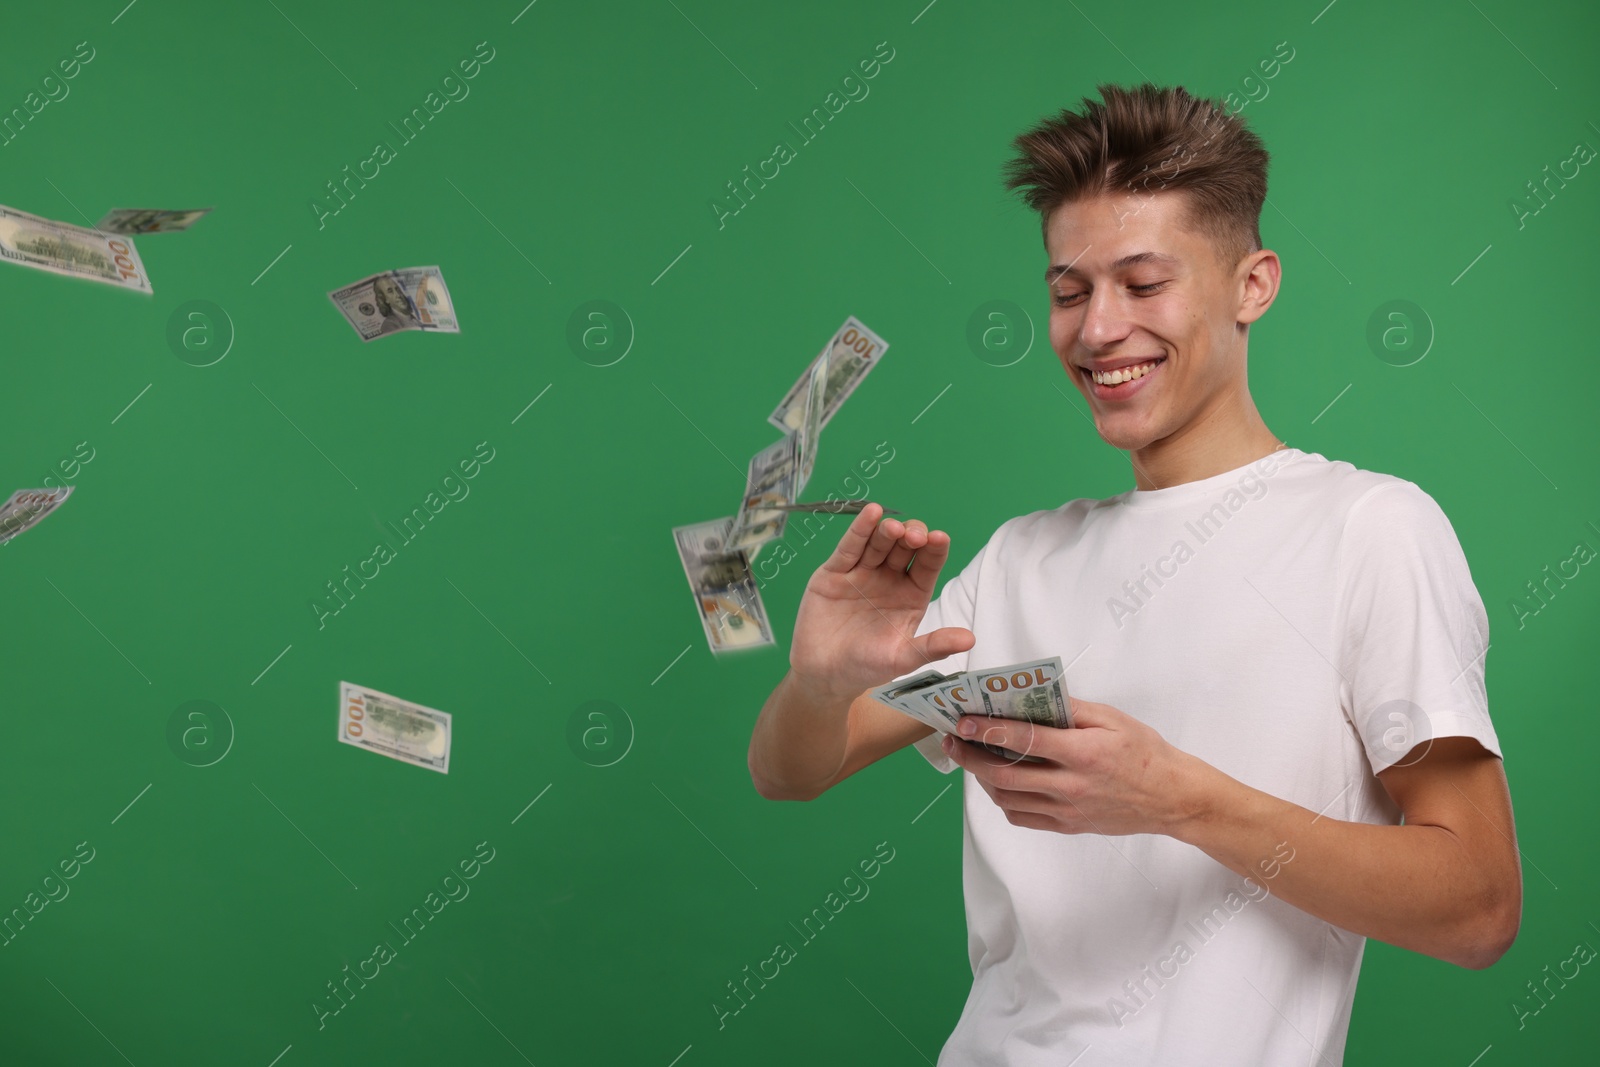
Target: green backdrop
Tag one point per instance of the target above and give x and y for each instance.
(634, 870)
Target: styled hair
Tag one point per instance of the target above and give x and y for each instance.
(1144, 140)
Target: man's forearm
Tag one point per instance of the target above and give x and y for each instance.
(1414, 886)
(798, 743)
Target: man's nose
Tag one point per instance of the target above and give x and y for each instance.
(1104, 319)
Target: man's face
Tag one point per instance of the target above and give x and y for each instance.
(1183, 310)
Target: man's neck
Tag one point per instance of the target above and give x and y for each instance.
(1196, 453)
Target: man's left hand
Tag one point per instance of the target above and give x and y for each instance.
(1107, 774)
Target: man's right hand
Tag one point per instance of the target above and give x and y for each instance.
(861, 607)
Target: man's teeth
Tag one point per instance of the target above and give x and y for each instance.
(1125, 374)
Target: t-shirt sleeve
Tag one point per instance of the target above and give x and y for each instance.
(954, 606)
(1411, 628)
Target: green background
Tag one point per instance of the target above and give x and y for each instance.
(581, 167)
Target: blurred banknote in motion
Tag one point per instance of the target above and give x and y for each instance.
(1032, 691)
(717, 554)
(394, 727)
(836, 507)
(413, 298)
(62, 248)
(779, 472)
(808, 433)
(853, 352)
(146, 220)
(27, 509)
(725, 591)
(772, 479)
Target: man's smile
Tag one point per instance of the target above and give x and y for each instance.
(1123, 382)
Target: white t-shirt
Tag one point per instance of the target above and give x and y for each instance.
(1299, 624)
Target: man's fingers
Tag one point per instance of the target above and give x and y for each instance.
(1021, 736)
(883, 539)
(915, 536)
(855, 540)
(869, 543)
(930, 558)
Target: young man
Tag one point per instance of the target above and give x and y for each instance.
(1272, 658)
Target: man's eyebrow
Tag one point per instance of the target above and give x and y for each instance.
(1160, 258)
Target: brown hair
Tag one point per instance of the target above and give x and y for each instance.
(1144, 140)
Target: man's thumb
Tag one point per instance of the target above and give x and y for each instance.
(946, 642)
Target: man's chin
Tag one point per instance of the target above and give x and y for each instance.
(1121, 433)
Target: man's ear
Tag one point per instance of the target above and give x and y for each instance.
(1259, 276)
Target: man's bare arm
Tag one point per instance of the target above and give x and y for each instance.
(1447, 883)
(855, 629)
(803, 745)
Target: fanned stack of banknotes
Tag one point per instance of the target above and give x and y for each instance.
(717, 554)
(1032, 691)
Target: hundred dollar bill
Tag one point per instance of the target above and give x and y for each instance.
(939, 700)
(853, 351)
(145, 220)
(837, 507)
(955, 693)
(1027, 692)
(945, 709)
(778, 473)
(916, 697)
(1031, 691)
(62, 248)
(725, 591)
(772, 479)
(959, 696)
(809, 431)
(27, 508)
(394, 727)
(946, 714)
(412, 298)
(906, 696)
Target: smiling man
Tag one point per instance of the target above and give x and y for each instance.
(1281, 741)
